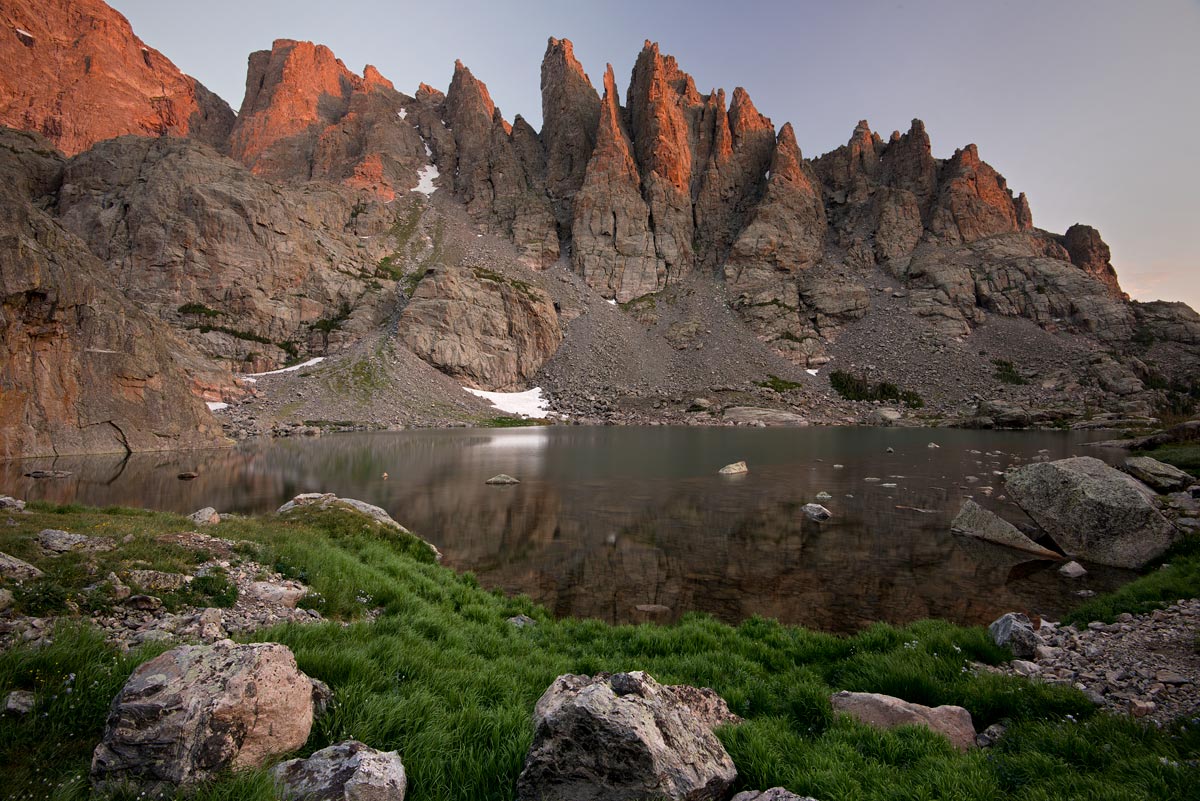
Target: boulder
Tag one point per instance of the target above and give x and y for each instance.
(734, 469)
(19, 702)
(884, 416)
(502, 480)
(774, 794)
(55, 541)
(768, 417)
(1073, 570)
(1015, 631)
(9, 504)
(273, 594)
(521, 621)
(625, 737)
(205, 517)
(348, 771)
(15, 569)
(815, 511)
(886, 712)
(975, 521)
(6, 599)
(1158, 476)
(327, 500)
(198, 710)
(1093, 511)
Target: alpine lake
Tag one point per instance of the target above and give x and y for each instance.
(630, 524)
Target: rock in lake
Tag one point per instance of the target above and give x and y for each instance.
(348, 771)
(1093, 510)
(886, 712)
(205, 517)
(625, 737)
(734, 469)
(1073, 570)
(815, 511)
(502, 480)
(1015, 630)
(975, 521)
(1158, 476)
(198, 710)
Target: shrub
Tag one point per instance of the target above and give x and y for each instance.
(856, 388)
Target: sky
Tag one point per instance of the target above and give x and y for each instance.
(1088, 106)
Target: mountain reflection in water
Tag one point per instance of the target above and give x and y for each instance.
(630, 524)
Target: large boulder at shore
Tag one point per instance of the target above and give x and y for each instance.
(886, 712)
(198, 710)
(348, 771)
(1093, 511)
(1158, 476)
(975, 521)
(319, 501)
(625, 737)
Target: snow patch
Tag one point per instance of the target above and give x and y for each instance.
(252, 378)
(529, 403)
(216, 406)
(428, 149)
(768, 175)
(425, 178)
(811, 371)
(612, 301)
(402, 113)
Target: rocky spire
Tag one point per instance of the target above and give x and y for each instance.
(974, 200)
(907, 163)
(613, 245)
(1090, 254)
(73, 71)
(659, 95)
(570, 114)
(468, 113)
(851, 170)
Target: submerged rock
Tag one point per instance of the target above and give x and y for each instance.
(886, 712)
(198, 710)
(1093, 510)
(975, 521)
(349, 770)
(734, 469)
(624, 737)
(503, 479)
(815, 511)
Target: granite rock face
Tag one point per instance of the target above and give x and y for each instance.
(74, 71)
(83, 369)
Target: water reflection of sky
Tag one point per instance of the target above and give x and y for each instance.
(606, 520)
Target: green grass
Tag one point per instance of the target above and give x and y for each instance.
(1184, 455)
(442, 677)
(512, 422)
(1174, 577)
(778, 384)
(857, 388)
(1006, 373)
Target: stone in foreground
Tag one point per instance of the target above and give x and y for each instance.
(1158, 476)
(15, 569)
(1015, 631)
(975, 521)
(1093, 511)
(205, 517)
(734, 469)
(886, 712)
(348, 771)
(503, 479)
(774, 794)
(625, 737)
(198, 710)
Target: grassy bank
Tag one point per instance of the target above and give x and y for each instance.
(443, 678)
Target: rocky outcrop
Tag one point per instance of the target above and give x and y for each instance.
(975, 521)
(974, 200)
(886, 712)
(570, 118)
(243, 268)
(198, 710)
(348, 771)
(490, 331)
(82, 369)
(500, 171)
(1089, 253)
(73, 71)
(1093, 511)
(1158, 476)
(626, 737)
(613, 248)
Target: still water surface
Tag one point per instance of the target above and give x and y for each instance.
(630, 524)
